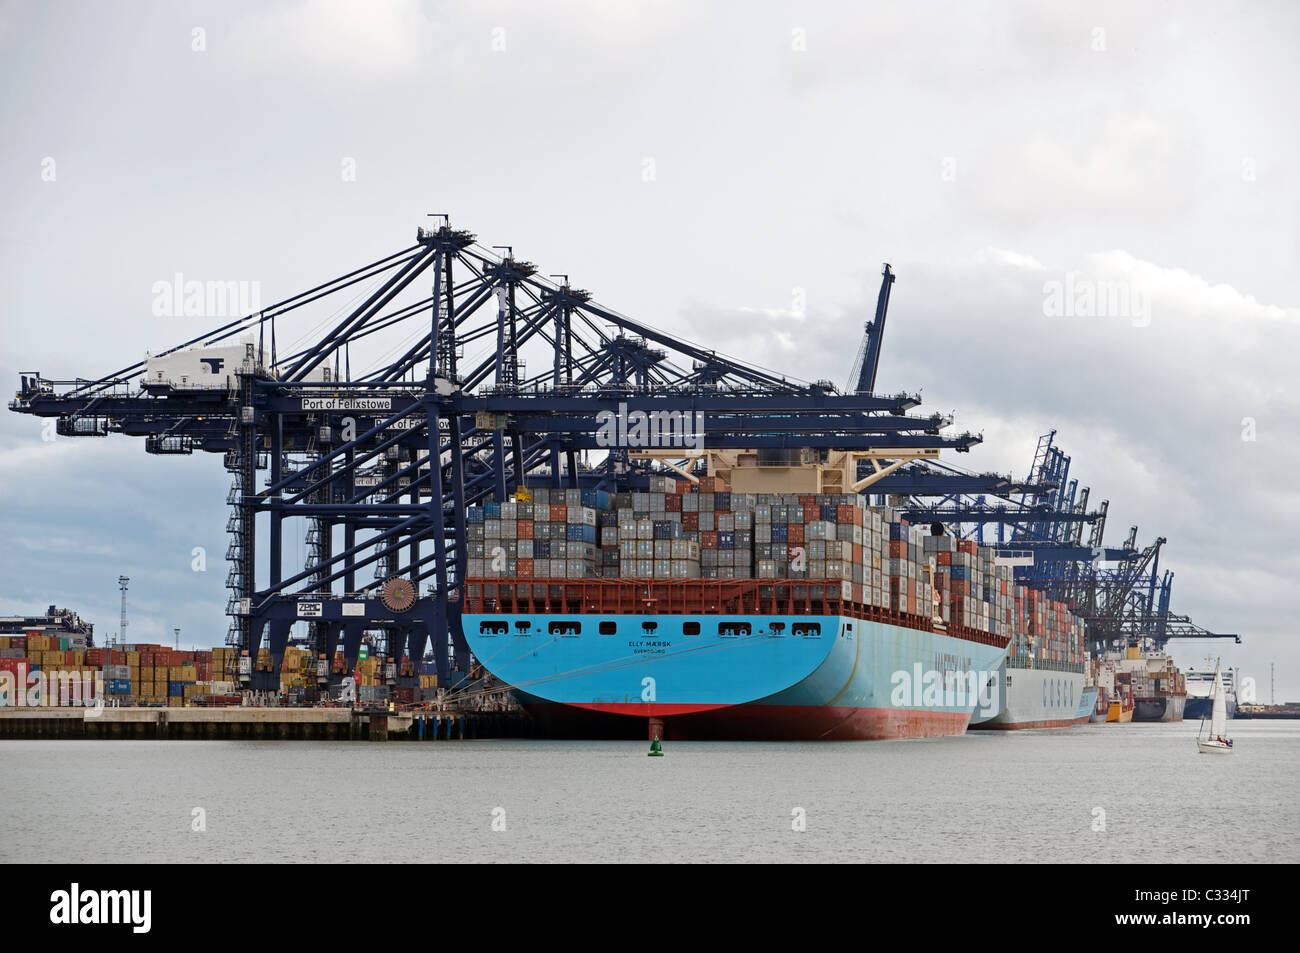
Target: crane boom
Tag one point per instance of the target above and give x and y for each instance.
(863, 378)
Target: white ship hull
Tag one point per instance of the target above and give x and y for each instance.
(1036, 698)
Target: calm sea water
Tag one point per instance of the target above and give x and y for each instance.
(985, 797)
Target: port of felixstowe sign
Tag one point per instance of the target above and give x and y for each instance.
(347, 403)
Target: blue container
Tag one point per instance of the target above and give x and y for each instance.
(492, 510)
(828, 513)
(541, 549)
(721, 501)
(780, 533)
(599, 499)
(579, 533)
(961, 572)
(475, 514)
(176, 688)
(726, 541)
(667, 529)
(897, 531)
(118, 686)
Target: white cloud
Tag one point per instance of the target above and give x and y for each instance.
(581, 42)
(338, 38)
(1000, 256)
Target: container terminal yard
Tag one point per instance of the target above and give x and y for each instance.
(590, 529)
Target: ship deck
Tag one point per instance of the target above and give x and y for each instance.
(600, 596)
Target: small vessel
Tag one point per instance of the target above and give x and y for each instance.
(1121, 701)
(1216, 741)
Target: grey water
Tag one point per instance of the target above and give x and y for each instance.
(1091, 794)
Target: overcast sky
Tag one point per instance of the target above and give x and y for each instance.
(735, 173)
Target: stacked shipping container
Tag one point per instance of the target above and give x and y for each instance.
(681, 530)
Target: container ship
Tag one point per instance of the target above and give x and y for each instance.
(1036, 697)
(1044, 678)
(696, 612)
(1158, 689)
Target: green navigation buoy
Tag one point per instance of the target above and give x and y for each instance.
(656, 749)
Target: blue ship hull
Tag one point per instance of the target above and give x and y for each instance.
(1203, 707)
(735, 677)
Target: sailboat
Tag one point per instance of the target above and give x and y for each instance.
(1216, 741)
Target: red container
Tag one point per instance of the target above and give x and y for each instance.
(559, 513)
(708, 541)
(945, 559)
(811, 513)
(525, 529)
(672, 504)
(691, 521)
(848, 514)
(525, 567)
(795, 533)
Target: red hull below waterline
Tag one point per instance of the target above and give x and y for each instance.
(750, 723)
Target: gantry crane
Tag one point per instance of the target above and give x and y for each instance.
(1045, 516)
(413, 400)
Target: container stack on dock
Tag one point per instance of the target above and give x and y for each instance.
(141, 674)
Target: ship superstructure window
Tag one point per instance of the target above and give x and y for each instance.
(690, 628)
(608, 628)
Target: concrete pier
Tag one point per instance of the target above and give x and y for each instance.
(271, 724)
